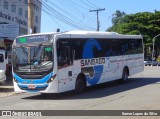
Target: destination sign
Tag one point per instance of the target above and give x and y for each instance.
(32, 39)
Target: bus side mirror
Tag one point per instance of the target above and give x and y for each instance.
(6, 54)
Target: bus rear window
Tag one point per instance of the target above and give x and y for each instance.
(1, 58)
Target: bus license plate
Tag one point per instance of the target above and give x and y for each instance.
(31, 86)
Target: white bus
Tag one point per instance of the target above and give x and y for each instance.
(59, 62)
(3, 65)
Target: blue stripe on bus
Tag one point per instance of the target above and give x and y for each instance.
(33, 81)
(87, 54)
(97, 75)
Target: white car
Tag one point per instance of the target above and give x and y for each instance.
(147, 62)
(2, 76)
(3, 65)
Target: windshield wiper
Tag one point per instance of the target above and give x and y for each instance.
(39, 66)
(46, 63)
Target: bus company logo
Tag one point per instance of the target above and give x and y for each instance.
(92, 62)
(93, 66)
(6, 113)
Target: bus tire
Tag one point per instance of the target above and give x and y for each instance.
(125, 74)
(80, 84)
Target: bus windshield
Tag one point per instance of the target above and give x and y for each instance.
(32, 58)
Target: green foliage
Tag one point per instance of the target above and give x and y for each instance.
(147, 24)
(117, 17)
(158, 59)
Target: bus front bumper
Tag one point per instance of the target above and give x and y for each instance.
(35, 87)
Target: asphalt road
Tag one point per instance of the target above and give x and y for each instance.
(141, 92)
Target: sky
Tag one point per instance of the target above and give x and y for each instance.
(68, 15)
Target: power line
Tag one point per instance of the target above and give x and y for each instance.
(53, 18)
(92, 18)
(75, 17)
(106, 20)
(91, 4)
(67, 13)
(86, 22)
(70, 4)
(63, 10)
(77, 5)
(97, 11)
(86, 4)
(64, 19)
(68, 20)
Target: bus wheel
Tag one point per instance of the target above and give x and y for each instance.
(80, 84)
(124, 75)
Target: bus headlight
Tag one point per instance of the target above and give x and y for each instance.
(51, 79)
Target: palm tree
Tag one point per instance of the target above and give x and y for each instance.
(117, 17)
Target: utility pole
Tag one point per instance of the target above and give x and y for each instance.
(97, 10)
(30, 16)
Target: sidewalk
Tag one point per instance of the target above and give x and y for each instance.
(6, 89)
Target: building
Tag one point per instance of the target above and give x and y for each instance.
(16, 12)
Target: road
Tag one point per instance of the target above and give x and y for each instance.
(141, 92)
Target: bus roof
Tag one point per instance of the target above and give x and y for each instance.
(90, 33)
(102, 34)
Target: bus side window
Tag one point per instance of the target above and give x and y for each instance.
(64, 56)
(1, 58)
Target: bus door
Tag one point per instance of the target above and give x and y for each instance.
(110, 69)
(111, 60)
(65, 64)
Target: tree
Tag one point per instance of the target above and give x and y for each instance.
(117, 17)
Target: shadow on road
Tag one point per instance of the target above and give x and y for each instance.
(99, 91)
(5, 90)
(6, 87)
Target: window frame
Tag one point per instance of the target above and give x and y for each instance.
(6, 4)
(20, 11)
(13, 8)
(64, 45)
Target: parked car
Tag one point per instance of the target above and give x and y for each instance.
(154, 63)
(147, 62)
(2, 76)
(3, 65)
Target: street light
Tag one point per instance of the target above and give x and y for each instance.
(153, 46)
